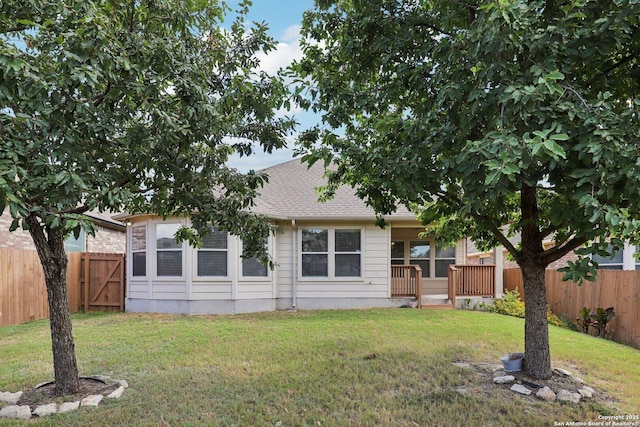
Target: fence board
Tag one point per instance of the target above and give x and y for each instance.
(23, 294)
(612, 288)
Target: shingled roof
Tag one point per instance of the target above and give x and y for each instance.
(291, 193)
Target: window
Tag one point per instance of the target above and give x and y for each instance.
(252, 267)
(315, 253)
(347, 253)
(613, 262)
(331, 253)
(139, 250)
(71, 244)
(397, 252)
(420, 254)
(168, 251)
(212, 256)
(444, 258)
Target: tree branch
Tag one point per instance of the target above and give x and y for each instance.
(557, 252)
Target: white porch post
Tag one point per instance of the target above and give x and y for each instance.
(628, 260)
(499, 262)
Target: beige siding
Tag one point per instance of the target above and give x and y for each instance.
(284, 257)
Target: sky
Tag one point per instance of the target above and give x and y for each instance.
(284, 18)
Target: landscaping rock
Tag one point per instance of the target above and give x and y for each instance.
(44, 410)
(68, 406)
(505, 379)
(10, 398)
(519, 388)
(93, 400)
(22, 412)
(545, 393)
(567, 396)
(123, 383)
(586, 392)
(562, 371)
(116, 393)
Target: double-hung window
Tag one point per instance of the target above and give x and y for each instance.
(331, 253)
(347, 253)
(212, 256)
(139, 250)
(253, 267)
(613, 262)
(444, 258)
(315, 253)
(168, 251)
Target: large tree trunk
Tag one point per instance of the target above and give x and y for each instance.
(536, 330)
(533, 264)
(50, 247)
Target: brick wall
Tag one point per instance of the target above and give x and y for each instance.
(107, 240)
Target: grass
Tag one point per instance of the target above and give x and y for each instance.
(318, 368)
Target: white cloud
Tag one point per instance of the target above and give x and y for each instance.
(285, 52)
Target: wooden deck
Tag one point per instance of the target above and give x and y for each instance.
(462, 281)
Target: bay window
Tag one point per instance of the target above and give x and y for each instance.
(213, 254)
(168, 251)
(139, 250)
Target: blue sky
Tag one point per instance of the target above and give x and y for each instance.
(284, 18)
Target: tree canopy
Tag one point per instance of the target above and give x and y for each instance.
(492, 117)
(133, 106)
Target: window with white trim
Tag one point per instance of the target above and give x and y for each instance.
(213, 254)
(348, 253)
(397, 252)
(253, 267)
(315, 252)
(444, 258)
(168, 251)
(613, 262)
(331, 253)
(139, 250)
(420, 254)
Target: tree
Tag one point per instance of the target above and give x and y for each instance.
(491, 117)
(132, 106)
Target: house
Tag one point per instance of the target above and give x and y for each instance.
(110, 236)
(623, 259)
(328, 254)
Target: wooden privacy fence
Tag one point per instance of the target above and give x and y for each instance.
(23, 294)
(612, 288)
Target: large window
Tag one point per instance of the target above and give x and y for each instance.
(397, 252)
(444, 258)
(331, 252)
(432, 259)
(253, 267)
(212, 256)
(347, 253)
(73, 244)
(139, 250)
(420, 254)
(168, 251)
(613, 262)
(315, 253)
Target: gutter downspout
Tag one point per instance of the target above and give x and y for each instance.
(294, 264)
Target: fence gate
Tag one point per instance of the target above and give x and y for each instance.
(102, 282)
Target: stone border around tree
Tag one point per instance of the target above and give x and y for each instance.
(9, 407)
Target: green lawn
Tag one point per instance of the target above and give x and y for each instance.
(319, 368)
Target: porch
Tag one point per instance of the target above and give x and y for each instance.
(471, 282)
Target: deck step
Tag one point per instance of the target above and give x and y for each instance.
(438, 306)
(436, 301)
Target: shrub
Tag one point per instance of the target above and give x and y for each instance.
(510, 304)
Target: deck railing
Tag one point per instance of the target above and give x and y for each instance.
(406, 281)
(472, 280)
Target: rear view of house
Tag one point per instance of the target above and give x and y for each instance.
(328, 255)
